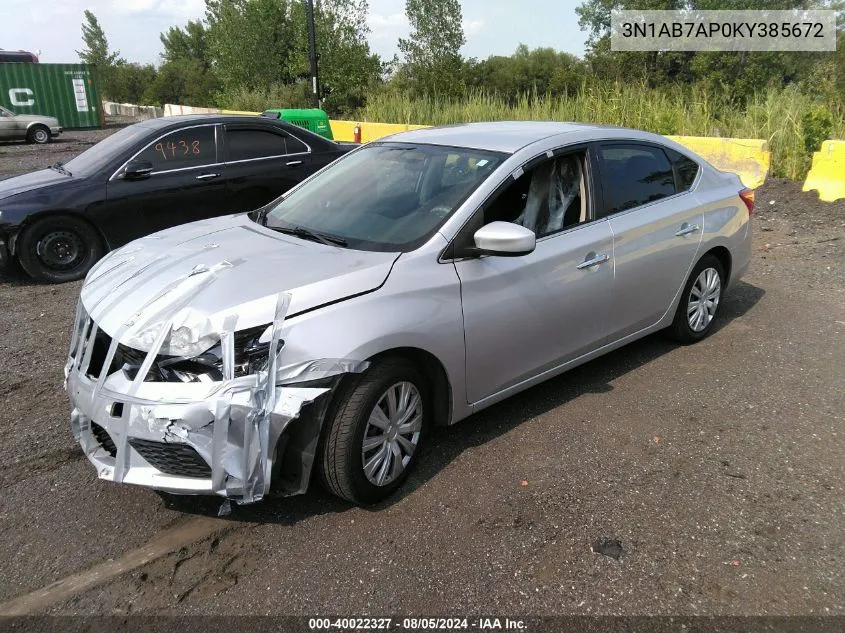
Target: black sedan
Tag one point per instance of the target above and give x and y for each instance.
(149, 176)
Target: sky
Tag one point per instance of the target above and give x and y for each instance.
(491, 27)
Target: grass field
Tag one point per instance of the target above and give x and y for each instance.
(792, 122)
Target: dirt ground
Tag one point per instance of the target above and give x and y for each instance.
(719, 467)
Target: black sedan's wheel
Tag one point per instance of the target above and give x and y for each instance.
(38, 134)
(700, 301)
(374, 435)
(59, 248)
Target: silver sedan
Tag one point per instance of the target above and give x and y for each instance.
(32, 128)
(411, 283)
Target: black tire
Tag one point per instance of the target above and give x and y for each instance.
(681, 329)
(59, 248)
(38, 134)
(341, 466)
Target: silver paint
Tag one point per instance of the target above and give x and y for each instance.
(496, 325)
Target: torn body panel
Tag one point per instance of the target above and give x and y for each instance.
(184, 402)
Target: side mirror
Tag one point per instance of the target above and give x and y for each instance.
(138, 169)
(504, 239)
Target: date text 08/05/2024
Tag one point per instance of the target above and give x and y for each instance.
(416, 624)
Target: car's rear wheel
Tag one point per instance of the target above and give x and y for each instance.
(700, 301)
(59, 248)
(374, 434)
(38, 134)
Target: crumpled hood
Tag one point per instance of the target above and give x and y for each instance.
(26, 182)
(204, 274)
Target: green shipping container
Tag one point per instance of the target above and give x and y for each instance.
(65, 91)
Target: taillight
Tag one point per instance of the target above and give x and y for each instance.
(747, 196)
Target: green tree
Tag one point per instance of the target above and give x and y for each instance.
(128, 83)
(190, 43)
(262, 46)
(250, 42)
(540, 72)
(97, 53)
(432, 57)
(348, 70)
(186, 74)
(738, 73)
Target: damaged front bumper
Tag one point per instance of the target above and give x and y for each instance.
(232, 437)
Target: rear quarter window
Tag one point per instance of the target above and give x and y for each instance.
(685, 168)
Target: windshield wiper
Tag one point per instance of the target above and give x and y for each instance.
(61, 169)
(307, 234)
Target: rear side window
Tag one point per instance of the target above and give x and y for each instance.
(686, 169)
(634, 175)
(191, 147)
(251, 144)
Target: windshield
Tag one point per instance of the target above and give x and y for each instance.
(385, 196)
(96, 157)
(5, 112)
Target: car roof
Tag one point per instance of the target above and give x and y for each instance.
(498, 136)
(166, 121)
(163, 123)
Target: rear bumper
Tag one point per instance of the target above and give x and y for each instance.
(55, 131)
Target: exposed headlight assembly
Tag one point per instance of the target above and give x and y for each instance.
(188, 358)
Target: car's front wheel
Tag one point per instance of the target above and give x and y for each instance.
(373, 437)
(59, 248)
(700, 301)
(38, 134)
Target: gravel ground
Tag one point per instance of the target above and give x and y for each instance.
(719, 467)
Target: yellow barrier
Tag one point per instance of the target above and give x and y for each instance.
(750, 159)
(239, 112)
(827, 175)
(344, 130)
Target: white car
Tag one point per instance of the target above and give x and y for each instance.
(32, 128)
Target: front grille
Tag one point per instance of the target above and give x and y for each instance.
(172, 459)
(102, 436)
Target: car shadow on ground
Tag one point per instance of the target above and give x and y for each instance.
(445, 444)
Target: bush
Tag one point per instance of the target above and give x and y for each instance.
(296, 95)
(788, 118)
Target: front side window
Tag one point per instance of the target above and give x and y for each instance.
(107, 152)
(547, 198)
(634, 175)
(247, 144)
(189, 147)
(385, 196)
(5, 112)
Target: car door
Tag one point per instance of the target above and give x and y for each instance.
(526, 315)
(656, 226)
(187, 184)
(262, 163)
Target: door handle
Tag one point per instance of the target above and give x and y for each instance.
(593, 261)
(686, 229)
(293, 162)
(207, 176)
